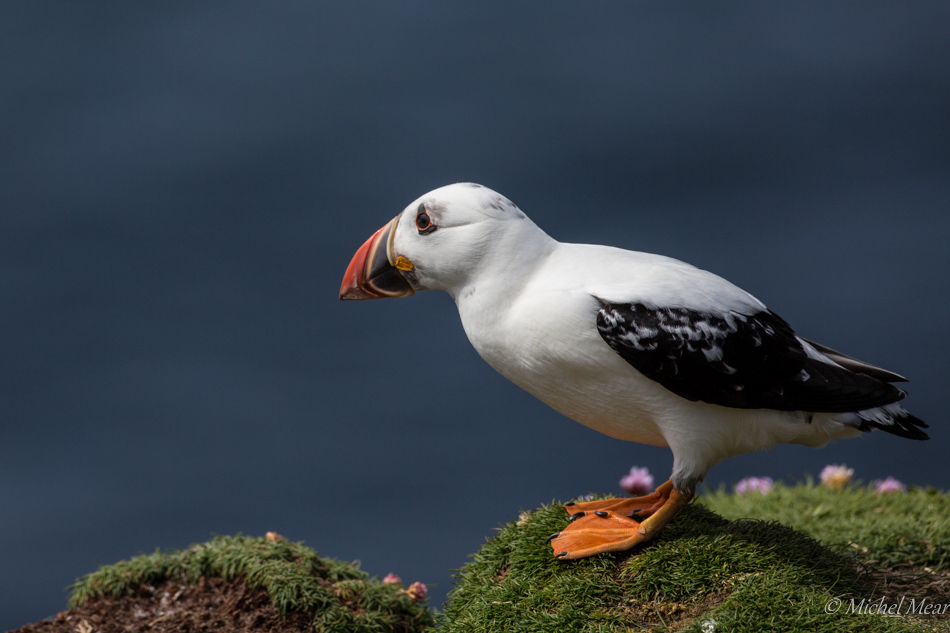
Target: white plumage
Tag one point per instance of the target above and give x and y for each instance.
(640, 347)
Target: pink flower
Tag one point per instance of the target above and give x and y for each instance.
(888, 485)
(836, 476)
(392, 579)
(417, 592)
(639, 482)
(754, 484)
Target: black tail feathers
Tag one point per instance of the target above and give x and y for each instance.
(904, 425)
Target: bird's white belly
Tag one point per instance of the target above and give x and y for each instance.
(562, 360)
(618, 408)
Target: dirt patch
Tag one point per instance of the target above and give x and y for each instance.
(502, 574)
(668, 615)
(921, 584)
(212, 605)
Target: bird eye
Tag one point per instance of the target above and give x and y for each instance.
(424, 222)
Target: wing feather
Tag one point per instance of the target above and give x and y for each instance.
(746, 361)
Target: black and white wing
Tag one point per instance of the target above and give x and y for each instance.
(747, 361)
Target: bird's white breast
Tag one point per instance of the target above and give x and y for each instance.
(541, 334)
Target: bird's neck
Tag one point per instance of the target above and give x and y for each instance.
(504, 270)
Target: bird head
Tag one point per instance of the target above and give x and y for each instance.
(438, 242)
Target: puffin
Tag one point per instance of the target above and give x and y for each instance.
(640, 347)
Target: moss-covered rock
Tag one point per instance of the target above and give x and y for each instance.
(337, 595)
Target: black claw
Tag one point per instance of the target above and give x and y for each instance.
(569, 504)
(576, 516)
(552, 537)
(601, 513)
(638, 510)
(561, 555)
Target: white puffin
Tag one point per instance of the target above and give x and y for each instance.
(640, 347)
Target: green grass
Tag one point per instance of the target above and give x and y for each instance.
(906, 528)
(339, 596)
(725, 563)
(708, 573)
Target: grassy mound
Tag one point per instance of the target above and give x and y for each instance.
(723, 564)
(338, 596)
(704, 573)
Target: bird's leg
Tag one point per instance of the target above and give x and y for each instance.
(604, 530)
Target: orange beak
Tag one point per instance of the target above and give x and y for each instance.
(372, 273)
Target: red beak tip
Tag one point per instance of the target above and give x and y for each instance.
(372, 254)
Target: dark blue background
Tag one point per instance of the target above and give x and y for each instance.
(183, 184)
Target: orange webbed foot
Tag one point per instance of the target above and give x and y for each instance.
(607, 525)
(637, 508)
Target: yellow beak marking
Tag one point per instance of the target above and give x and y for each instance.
(403, 264)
